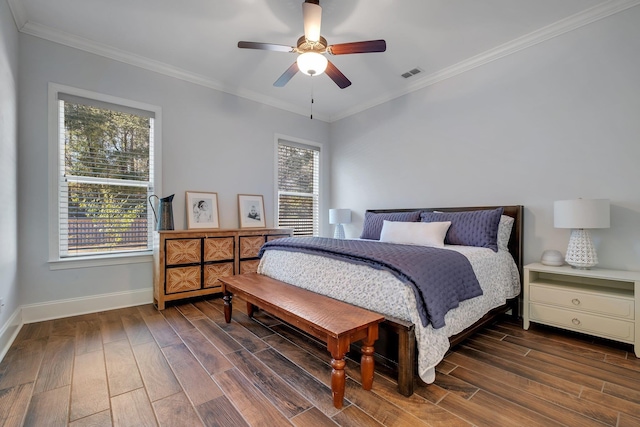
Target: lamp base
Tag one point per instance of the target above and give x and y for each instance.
(339, 233)
(581, 253)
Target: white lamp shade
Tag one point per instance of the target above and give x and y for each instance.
(339, 216)
(312, 16)
(581, 213)
(312, 63)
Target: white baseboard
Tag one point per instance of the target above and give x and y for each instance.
(9, 332)
(65, 308)
(77, 306)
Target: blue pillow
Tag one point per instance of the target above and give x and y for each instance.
(373, 222)
(469, 228)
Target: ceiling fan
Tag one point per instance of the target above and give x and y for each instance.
(311, 48)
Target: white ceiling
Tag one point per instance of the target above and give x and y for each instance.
(196, 40)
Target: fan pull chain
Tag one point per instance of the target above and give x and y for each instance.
(311, 116)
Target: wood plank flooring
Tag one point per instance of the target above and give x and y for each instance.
(185, 366)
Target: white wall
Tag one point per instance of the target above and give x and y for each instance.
(211, 141)
(556, 121)
(9, 291)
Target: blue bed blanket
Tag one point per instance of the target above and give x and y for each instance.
(440, 278)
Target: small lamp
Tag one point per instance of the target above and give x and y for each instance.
(339, 217)
(580, 215)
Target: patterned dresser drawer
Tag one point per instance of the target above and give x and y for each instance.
(250, 246)
(249, 266)
(183, 251)
(218, 248)
(212, 272)
(181, 279)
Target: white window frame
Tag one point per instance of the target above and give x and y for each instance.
(56, 262)
(285, 138)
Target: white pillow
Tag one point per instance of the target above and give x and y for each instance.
(415, 233)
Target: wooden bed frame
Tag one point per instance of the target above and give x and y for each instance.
(396, 346)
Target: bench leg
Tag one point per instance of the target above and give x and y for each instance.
(337, 381)
(338, 349)
(367, 361)
(251, 309)
(228, 306)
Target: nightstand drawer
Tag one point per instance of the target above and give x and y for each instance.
(582, 300)
(606, 327)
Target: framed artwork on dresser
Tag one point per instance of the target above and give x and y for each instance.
(251, 211)
(202, 210)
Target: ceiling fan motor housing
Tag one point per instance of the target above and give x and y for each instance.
(306, 46)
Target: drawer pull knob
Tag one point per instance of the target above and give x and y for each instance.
(575, 321)
(575, 301)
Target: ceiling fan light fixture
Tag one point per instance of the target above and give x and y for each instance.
(312, 63)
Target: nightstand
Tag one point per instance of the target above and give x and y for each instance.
(597, 302)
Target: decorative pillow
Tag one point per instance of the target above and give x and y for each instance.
(415, 233)
(373, 222)
(469, 228)
(504, 231)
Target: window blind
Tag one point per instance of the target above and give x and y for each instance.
(298, 188)
(105, 177)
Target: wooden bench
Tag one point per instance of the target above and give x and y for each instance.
(336, 323)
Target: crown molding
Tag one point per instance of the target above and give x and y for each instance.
(19, 13)
(66, 39)
(546, 33)
(558, 28)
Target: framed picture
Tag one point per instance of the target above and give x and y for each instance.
(202, 210)
(251, 211)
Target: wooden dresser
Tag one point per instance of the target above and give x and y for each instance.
(188, 263)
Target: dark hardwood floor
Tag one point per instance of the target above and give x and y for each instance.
(186, 367)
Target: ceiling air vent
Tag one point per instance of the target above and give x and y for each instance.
(411, 73)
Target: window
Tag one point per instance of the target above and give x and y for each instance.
(105, 175)
(298, 187)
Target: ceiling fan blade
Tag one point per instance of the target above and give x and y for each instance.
(287, 75)
(312, 17)
(266, 46)
(336, 75)
(358, 47)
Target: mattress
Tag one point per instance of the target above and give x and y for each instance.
(380, 291)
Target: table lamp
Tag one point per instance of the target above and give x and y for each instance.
(580, 215)
(339, 217)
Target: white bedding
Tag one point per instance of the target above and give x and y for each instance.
(380, 291)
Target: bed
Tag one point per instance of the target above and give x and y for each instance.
(498, 270)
